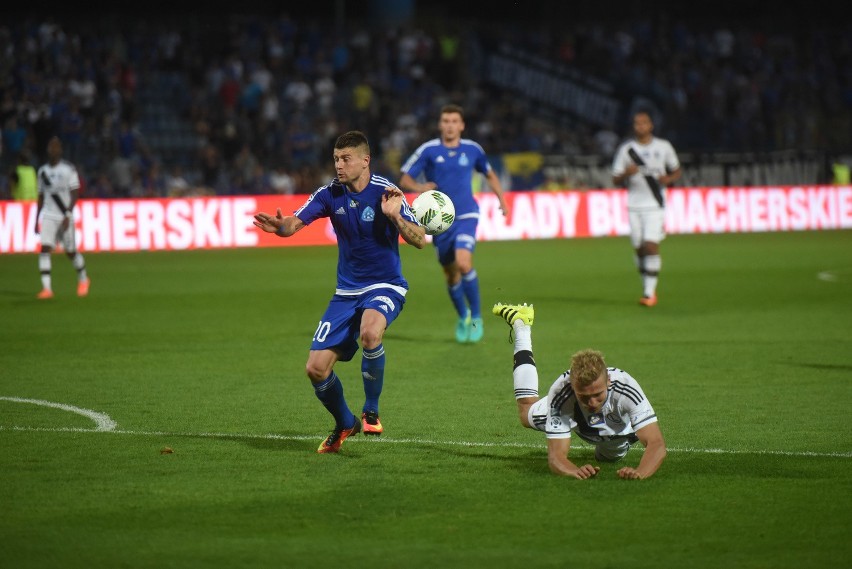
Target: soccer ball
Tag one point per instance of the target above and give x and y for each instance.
(434, 210)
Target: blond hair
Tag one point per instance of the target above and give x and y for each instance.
(587, 366)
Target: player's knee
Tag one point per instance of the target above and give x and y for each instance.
(370, 338)
(316, 372)
(650, 248)
(465, 266)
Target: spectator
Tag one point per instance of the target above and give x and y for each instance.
(14, 137)
(280, 181)
(22, 179)
(176, 183)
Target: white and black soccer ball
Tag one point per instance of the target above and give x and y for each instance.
(434, 210)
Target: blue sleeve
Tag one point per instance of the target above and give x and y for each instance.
(482, 165)
(406, 212)
(315, 207)
(415, 163)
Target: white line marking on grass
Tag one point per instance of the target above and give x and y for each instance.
(835, 275)
(359, 440)
(102, 420)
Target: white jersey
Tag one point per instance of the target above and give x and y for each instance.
(625, 411)
(56, 183)
(659, 157)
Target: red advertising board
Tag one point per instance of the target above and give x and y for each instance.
(223, 222)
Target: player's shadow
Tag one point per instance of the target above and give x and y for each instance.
(535, 460)
(18, 297)
(750, 466)
(528, 461)
(837, 367)
(287, 442)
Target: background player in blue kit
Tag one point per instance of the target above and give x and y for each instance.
(448, 163)
(369, 214)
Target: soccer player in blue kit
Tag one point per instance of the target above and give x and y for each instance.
(369, 214)
(448, 163)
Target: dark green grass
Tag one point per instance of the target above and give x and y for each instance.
(747, 360)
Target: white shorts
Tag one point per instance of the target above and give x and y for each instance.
(647, 225)
(52, 232)
(614, 449)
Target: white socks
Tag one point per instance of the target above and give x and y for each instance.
(524, 372)
(653, 263)
(44, 267)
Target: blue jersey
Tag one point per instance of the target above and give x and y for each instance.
(367, 241)
(452, 170)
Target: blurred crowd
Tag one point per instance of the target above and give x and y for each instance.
(264, 96)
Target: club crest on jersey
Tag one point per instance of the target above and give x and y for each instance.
(368, 214)
(595, 419)
(463, 161)
(614, 418)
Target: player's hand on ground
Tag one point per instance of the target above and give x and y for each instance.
(267, 222)
(628, 473)
(586, 471)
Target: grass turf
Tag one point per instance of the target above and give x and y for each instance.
(746, 360)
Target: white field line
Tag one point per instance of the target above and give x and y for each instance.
(411, 441)
(107, 425)
(835, 275)
(102, 420)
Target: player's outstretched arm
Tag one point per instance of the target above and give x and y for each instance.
(557, 459)
(278, 224)
(496, 187)
(651, 438)
(412, 232)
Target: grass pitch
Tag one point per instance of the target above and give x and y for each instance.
(747, 360)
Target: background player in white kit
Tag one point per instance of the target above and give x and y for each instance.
(603, 405)
(58, 185)
(647, 164)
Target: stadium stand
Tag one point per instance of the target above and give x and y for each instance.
(228, 99)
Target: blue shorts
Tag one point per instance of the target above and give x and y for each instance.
(460, 235)
(340, 326)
